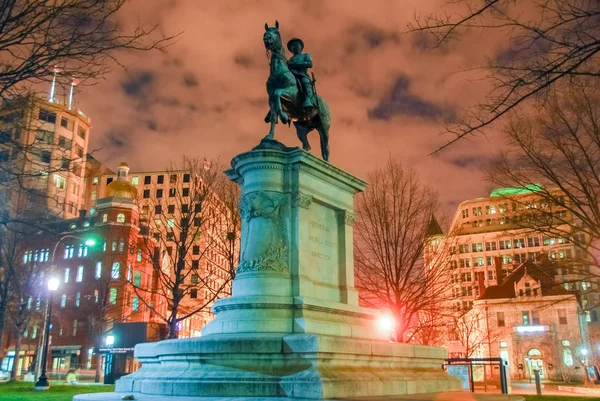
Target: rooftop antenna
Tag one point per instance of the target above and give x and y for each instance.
(55, 71)
(74, 83)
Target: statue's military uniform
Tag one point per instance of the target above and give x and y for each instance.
(299, 64)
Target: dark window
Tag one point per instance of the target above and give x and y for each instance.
(157, 209)
(196, 250)
(500, 316)
(65, 163)
(171, 209)
(170, 250)
(170, 236)
(173, 178)
(185, 192)
(47, 116)
(197, 221)
(64, 122)
(185, 208)
(562, 316)
(159, 193)
(109, 180)
(4, 155)
(147, 179)
(81, 132)
(146, 193)
(194, 279)
(195, 264)
(593, 314)
(186, 178)
(172, 192)
(535, 317)
(45, 156)
(197, 207)
(193, 293)
(4, 136)
(161, 179)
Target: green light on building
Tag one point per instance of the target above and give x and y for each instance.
(527, 189)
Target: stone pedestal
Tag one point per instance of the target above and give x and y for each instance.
(292, 327)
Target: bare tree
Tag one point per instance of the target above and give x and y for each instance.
(25, 289)
(392, 232)
(194, 241)
(78, 37)
(557, 145)
(469, 331)
(551, 42)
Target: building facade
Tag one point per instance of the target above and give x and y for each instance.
(43, 147)
(94, 260)
(497, 227)
(533, 323)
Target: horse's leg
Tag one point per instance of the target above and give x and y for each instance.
(323, 130)
(302, 131)
(282, 114)
(273, 120)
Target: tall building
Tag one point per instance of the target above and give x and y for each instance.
(497, 227)
(43, 146)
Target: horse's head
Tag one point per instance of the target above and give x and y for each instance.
(272, 38)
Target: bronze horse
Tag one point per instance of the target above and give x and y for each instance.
(286, 100)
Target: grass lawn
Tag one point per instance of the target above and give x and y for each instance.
(21, 391)
(556, 398)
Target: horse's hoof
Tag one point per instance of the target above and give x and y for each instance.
(284, 118)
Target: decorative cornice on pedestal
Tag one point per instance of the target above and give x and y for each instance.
(345, 217)
(302, 200)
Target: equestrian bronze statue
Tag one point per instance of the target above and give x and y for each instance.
(292, 93)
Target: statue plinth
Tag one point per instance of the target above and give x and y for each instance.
(292, 327)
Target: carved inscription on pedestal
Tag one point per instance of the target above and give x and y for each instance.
(322, 244)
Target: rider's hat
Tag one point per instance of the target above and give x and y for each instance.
(295, 40)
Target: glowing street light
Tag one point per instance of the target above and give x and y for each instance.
(386, 324)
(90, 242)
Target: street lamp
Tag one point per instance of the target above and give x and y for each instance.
(88, 242)
(42, 383)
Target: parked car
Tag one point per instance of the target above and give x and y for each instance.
(4, 376)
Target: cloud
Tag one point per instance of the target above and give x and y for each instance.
(401, 102)
(137, 83)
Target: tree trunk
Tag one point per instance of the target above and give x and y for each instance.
(172, 329)
(98, 368)
(3, 304)
(15, 368)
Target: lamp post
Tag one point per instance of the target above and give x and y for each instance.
(42, 383)
(88, 242)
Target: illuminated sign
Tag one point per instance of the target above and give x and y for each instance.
(531, 329)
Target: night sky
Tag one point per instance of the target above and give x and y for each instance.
(389, 93)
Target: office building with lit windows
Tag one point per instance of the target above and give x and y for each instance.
(43, 146)
(95, 259)
(486, 229)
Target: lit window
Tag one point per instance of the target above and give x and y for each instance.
(113, 296)
(79, 277)
(129, 272)
(116, 271)
(77, 299)
(93, 195)
(98, 273)
(63, 300)
(137, 278)
(503, 344)
(59, 181)
(34, 332)
(74, 327)
(120, 218)
(95, 180)
(135, 180)
(96, 296)
(67, 274)
(567, 357)
(69, 249)
(566, 343)
(135, 303)
(171, 223)
(104, 218)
